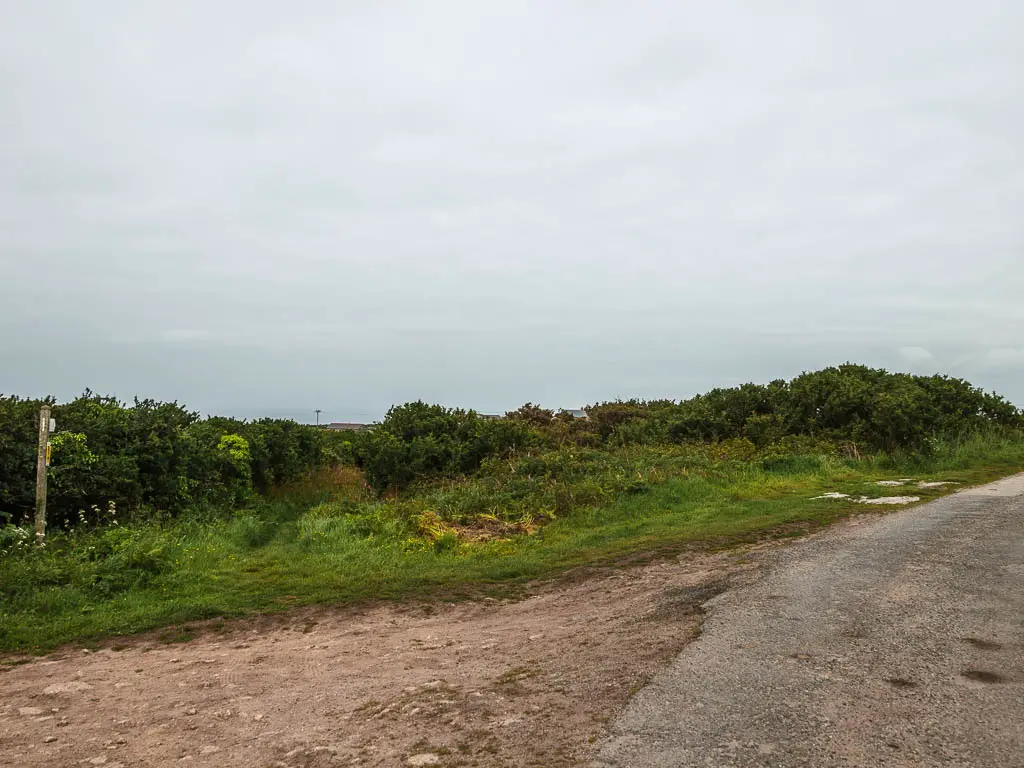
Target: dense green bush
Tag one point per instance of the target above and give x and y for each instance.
(19, 425)
(871, 409)
(160, 457)
(417, 441)
(148, 457)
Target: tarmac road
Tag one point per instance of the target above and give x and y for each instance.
(895, 641)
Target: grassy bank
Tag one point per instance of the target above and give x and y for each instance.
(334, 540)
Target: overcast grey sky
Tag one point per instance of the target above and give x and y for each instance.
(265, 207)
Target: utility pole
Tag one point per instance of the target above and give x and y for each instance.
(318, 417)
(42, 459)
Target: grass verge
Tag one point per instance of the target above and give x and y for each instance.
(318, 547)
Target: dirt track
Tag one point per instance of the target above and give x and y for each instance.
(531, 682)
(901, 610)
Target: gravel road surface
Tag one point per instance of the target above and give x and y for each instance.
(895, 641)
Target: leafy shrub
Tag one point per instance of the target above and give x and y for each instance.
(416, 441)
(19, 424)
(153, 458)
(532, 415)
(148, 457)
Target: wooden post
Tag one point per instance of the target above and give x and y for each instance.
(44, 438)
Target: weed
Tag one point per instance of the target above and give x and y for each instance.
(176, 635)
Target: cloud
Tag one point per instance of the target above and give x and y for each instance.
(1005, 357)
(916, 355)
(178, 335)
(492, 204)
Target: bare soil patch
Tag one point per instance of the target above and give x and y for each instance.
(491, 683)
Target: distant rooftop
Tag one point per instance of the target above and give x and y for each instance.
(346, 426)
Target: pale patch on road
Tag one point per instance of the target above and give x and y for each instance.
(895, 500)
(889, 500)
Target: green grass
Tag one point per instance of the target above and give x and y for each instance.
(322, 547)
